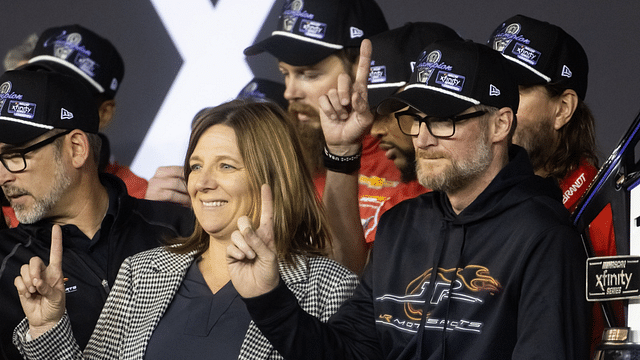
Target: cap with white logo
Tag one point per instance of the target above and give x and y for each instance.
(77, 51)
(34, 102)
(542, 53)
(452, 76)
(310, 30)
(395, 52)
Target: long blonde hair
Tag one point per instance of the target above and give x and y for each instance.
(272, 154)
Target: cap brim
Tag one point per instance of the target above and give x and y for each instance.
(291, 50)
(427, 101)
(13, 132)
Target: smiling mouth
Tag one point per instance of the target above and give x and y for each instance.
(216, 203)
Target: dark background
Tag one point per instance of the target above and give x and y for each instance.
(608, 30)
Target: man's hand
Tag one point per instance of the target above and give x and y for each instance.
(168, 184)
(41, 288)
(252, 258)
(344, 112)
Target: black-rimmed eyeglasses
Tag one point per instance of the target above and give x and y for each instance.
(14, 160)
(441, 127)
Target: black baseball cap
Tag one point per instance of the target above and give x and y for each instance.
(451, 76)
(310, 30)
(542, 53)
(264, 89)
(394, 55)
(77, 51)
(35, 102)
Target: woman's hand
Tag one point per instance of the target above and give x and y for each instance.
(252, 257)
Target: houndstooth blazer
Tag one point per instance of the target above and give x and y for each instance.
(146, 285)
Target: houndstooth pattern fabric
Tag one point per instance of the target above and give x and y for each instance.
(146, 285)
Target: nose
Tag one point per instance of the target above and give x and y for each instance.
(293, 90)
(204, 180)
(424, 138)
(381, 124)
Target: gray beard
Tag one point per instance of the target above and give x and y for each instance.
(42, 206)
(460, 173)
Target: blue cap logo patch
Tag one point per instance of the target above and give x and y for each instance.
(377, 74)
(450, 80)
(22, 109)
(313, 29)
(526, 54)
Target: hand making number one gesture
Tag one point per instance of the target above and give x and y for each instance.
(345, 114)
(252, 257)
(41, 288)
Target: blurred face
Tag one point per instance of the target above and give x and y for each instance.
(304, 85)
(535, 131)
(450, 164)
(218, 183)
(398, 147)
(35, 191)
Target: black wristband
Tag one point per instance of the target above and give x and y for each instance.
(341, 164)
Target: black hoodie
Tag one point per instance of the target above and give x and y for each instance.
(518, 291)
(89, 266)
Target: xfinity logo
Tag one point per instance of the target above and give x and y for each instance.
(313, 29)
(450, 80)
(526, 54)
(22, 109)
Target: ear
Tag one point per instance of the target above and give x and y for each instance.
(106, 111)
(80, 148)
(502, 124)
(565, 107)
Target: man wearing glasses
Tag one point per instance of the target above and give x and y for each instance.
(49, 150)
(486, 266)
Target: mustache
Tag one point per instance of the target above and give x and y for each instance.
(296, 107)
(424, 154)
(10, 191)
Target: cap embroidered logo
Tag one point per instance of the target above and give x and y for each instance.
(566, 72)
(493, 91)
(65, 114)
(356, 33)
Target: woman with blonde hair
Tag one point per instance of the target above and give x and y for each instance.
(243, 165)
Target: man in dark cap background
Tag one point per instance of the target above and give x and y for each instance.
(50, 150)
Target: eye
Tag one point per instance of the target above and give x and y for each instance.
(195, 167)
(311, 75)
(225, 166)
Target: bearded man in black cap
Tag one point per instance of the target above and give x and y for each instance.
(556, 126)
(49, 150)
(486, 266)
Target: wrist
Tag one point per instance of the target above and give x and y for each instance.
(345, 164)
(344, 150)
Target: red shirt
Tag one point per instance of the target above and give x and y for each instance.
(380, 187)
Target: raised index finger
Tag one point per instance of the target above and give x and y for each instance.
(364, 63)
(55, 256)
